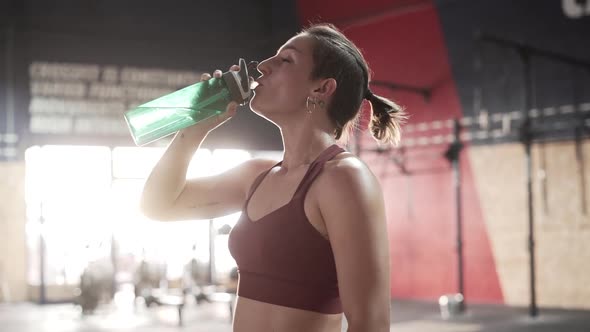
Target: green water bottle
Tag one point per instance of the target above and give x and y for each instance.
(183, 108)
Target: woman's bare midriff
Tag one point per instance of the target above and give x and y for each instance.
(256, 316)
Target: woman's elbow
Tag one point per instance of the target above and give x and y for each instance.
(374, 323)
(369, 326)
(153, 211)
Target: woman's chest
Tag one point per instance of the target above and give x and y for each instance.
(276, 190)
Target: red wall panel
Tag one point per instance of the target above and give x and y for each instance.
(407, 47)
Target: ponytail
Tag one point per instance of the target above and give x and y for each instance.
(335, 56)
(386, 120)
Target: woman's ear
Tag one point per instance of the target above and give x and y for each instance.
(325, 88)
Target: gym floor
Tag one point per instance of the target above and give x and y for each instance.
(214, 317)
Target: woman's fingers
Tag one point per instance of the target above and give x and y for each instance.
(217, 73)
(230, 111)
(205, 76)
(232, 108)
(216, 121)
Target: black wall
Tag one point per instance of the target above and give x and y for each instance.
(175, 35)
(490, 76)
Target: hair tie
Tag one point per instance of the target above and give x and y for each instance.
(368, 94)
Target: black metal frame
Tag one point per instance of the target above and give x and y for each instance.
(528, 134)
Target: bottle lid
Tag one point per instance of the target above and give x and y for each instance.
(238, 83)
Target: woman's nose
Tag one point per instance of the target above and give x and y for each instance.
(263, 67)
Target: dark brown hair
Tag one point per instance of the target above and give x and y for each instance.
(335, 56)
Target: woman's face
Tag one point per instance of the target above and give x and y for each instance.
(286, 81)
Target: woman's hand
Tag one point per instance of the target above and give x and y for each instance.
(206, 126)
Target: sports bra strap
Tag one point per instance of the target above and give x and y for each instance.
(316, 168)
(258, 180)
(312, 172)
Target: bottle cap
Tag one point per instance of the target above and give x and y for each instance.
(253, 69)
(238, 83)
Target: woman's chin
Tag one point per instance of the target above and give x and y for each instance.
(255, 105)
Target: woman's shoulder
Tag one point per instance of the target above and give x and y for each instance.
(346, 171)
(348, 189)
(259, 164)
(345, 162)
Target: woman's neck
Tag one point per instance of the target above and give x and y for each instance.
(303, 149)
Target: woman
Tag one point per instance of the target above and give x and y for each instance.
(311, 243)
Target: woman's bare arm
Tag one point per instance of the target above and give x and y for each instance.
(168, 196)
(351, 203)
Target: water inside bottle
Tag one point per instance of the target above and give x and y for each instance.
(178, 110)
(188, 106)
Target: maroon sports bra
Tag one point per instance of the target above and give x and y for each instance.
(282, 259)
